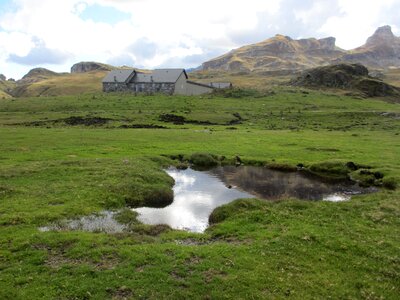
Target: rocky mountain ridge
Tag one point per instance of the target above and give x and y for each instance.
(284, 54)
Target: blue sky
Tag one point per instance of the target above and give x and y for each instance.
(55, 34)
(106, 14)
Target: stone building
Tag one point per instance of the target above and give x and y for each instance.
(168, 81)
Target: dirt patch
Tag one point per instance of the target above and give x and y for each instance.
(58, 260)
(144, 126)
(121, 293)
(322, 149)
(181, 120)
(5, 191)
(70, 121)
(86, 121)
(210, 274)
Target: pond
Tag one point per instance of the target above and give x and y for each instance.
(198, 193)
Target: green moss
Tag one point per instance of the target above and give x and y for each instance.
(203, 160)
(224, 212)
(330, 169)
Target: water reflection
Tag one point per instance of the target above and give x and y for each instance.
(198, 193)
(272, 185)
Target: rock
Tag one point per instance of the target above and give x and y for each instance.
(86, 66)
(346, 76)
(2, 77)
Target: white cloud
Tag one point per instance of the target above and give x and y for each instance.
(178, 31)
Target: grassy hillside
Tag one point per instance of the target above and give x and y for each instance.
(392, 76)
(65, 157)
(5, 87)
(63, 84)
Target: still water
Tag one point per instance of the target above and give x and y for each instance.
(198, 193)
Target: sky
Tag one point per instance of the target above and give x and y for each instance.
(55, 34)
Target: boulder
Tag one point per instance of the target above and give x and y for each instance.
(86, 66)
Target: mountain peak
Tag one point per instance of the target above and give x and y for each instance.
(382, 34)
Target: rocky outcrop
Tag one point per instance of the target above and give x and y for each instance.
(88, 66)
(348, 77)
(2, 77)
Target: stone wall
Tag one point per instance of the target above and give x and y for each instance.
(147, 88)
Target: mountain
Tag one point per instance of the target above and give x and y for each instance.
(382, 50)
(282, 54)
(278, 53)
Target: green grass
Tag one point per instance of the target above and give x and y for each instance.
(51, 171)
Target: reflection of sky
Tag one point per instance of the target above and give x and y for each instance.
(196, 195)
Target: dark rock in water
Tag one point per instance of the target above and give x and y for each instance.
(2, 77)
(88, 66)
(346, 76)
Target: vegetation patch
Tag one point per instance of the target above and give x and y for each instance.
(331, 169)
(203, 160)
(390, 183)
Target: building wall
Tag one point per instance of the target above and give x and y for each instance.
(181, 85)
(194, 89)
(166, 88)
(109, 87)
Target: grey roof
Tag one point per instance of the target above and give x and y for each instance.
(200, 84)
(160, 76)
(220, 85)
(120, 76)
